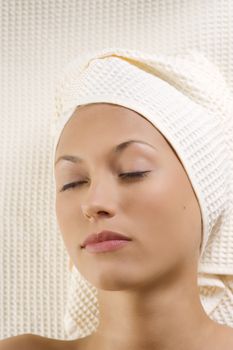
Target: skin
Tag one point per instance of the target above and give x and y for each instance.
(147, 291)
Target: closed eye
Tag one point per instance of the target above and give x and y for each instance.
(137, 174)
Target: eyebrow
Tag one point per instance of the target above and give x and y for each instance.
(117, 150)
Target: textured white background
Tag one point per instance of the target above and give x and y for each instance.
(37, 38)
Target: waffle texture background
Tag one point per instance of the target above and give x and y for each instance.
(37, 39)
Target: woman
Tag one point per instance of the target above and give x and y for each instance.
(116, 171)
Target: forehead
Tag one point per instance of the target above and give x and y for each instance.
(116, 150)
(103, 119)
(107, 112)
(103, 125)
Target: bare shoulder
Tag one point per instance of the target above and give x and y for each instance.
(229, 335)
(35, 342)
(224, 338)
(18, 341)
(26, 342)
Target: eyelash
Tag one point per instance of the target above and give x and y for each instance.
(137, 174)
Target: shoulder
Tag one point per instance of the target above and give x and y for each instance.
(223, 337)
(12, 343)
(35, 342)
(228, 336)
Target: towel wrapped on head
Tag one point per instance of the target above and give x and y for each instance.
(187, 99)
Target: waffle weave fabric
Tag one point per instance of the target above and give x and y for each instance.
(188, 101)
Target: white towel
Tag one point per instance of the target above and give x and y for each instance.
(202, 114)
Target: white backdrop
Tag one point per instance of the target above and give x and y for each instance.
(37, 38)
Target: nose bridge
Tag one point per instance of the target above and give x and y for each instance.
(101, 187)
(100, 184)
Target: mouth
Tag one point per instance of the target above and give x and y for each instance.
(106, 246)
(105, 241)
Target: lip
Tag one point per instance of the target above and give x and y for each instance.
(103, 236)
(106, 246)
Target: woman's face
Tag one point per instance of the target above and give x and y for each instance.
(158, 211)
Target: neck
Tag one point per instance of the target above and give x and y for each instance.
(166, 316)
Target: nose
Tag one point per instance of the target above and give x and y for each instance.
(93, 213)
(99, 202)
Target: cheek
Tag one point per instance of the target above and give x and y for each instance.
(67, 209)
(62, 212)
(161, 218)
(65, 213)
